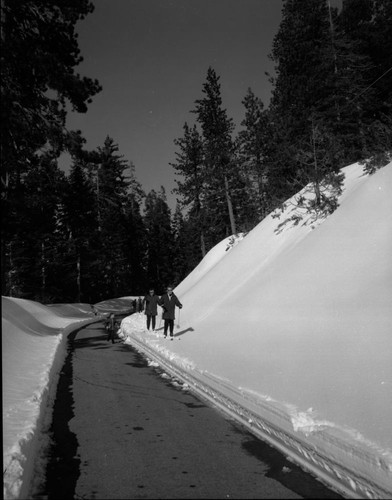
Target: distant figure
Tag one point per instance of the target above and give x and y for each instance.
(94, 310)
(169, 301)
(150, 302)
(134, 305)
(139, 305)
(111, 326)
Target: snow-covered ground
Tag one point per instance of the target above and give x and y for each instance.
(287, 329)
(33, 352)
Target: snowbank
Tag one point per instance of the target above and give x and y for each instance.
(291, 331)
(33, 348)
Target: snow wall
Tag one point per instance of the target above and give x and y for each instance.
(289, 331)
(34, 342)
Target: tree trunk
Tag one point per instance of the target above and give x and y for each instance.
(335, 67)
(78, 278)
(316, 172)
(43, 271)
(98, 202)
(230, 207)
(202, 244)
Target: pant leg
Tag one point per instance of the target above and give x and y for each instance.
(166, 324)
(148, 321)
(171, 324)
(153, 319)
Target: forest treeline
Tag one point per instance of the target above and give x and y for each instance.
(94, 233)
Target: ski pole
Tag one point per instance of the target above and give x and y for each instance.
(179, 314)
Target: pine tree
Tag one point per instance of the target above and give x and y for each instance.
(217, 131)
(157, 219)
(326, 79)
(111, 192)
(187, 254)
(367, 24)
(79, 227)
(136, 242)
(191, 188)
(38, 59)
(299, 57)
(40, 52)
(253, 146)
(306, 106)
(32, 251)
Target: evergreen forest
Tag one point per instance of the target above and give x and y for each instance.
(94, 233)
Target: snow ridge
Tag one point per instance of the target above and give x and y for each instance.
(283, 427)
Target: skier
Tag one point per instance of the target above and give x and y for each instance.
(169, 301)
(150, 303)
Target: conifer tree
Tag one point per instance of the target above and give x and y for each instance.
(367, 24)
(111, 191)
(191, 187)
(79, 230)
(253, 144)
(136, 241)
(38, 59)
(160, 243)
(326, 84)
(32, 251)
(187, 253)
(217, 131)
(39, 52)
(109, 198)
(305, 102)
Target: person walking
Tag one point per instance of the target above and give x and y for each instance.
(150, 303)
(139, 305)
(111, 325)
(168, 302)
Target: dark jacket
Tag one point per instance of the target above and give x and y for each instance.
(169, 305)
(111, 325)
(151, 305)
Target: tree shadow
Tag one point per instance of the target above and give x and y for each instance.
(308, 208)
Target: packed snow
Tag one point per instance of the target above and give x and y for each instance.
(287, 329)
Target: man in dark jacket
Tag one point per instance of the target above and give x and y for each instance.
(150, 303)
(111, 327)
(169, 301)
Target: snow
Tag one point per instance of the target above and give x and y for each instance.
(33, 352)
(287, 329)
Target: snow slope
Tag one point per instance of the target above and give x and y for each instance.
(293, 327)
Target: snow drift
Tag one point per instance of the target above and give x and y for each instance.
(291, 331)
(33, 351)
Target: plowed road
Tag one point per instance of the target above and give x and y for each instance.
(124, 431)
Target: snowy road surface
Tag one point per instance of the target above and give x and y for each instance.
(124, 429)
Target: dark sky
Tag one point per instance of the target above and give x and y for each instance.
(152, 57)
